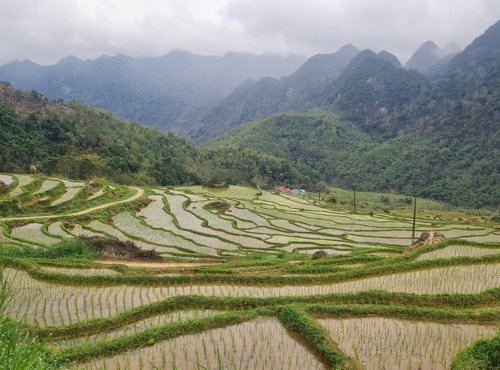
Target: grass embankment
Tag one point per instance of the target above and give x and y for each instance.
(482, 355)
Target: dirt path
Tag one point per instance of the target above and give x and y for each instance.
(108, 261)
(139, 194)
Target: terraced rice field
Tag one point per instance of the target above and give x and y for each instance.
(260, 344)
(240, 289)
(380, 343)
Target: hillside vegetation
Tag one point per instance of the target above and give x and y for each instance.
(82, 142)
(394, 129)
(344, 155)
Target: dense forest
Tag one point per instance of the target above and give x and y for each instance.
(422, 164)
(79, 141)
(385, 128)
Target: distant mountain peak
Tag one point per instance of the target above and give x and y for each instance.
(482, 52)
(429, 45)
(391, 58)
(426, 56)
(348, 49)
(364, 54)
(70, 59)
(490, 38)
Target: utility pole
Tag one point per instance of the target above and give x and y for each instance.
(414, 219)
(354, 201)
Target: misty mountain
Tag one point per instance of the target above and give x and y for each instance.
(435, 136)
(427, 55)
(391, 58)
(159, 91)
(483, 52)
(430, 59)
(303, 89)
(371, 88)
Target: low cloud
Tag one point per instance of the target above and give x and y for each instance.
(48, 30)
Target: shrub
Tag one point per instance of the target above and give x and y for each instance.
(332, 199)
(482, 355)
(3, 187)
(18, 349)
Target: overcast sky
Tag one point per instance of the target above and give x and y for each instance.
(47, 30)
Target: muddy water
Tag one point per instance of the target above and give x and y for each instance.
(51, 304)
(259, 344)
(380, 343)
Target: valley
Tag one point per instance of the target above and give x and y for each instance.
(252, 209)
(240, 287)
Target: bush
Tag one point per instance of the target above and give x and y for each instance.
(18, 349)
(3, 187)
(482, 355)
(332, 199)
(385, 199)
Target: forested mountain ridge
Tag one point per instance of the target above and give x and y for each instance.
(436, 137)
(80, 141)
(302, 89)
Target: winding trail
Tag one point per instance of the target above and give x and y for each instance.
(140, 193)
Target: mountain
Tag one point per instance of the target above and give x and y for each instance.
(159, 91)
(424, 57)
(435, 136)
(318, 138)
(303, 89)
(371, 88)
(391, 58)
(484, 51)
(80, 141)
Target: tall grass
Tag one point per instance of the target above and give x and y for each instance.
(18, 349)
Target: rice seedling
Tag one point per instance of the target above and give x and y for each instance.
(286, 224)
(47, 185)
(107, 230)
(56, 230)
(382, 343)
(23, 180)
(133, 226)
(67, 196)
(247, 215)
(154, 215)
(494, 238)
(6, 179)
(81, 271)
(258, 344)
(139, 325)
(458, 251)
(97, 194)
(188, 220)
(33, 233)
(236, 192)
(97, 306)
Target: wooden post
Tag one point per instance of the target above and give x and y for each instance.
(354, 201)
(414, 219)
